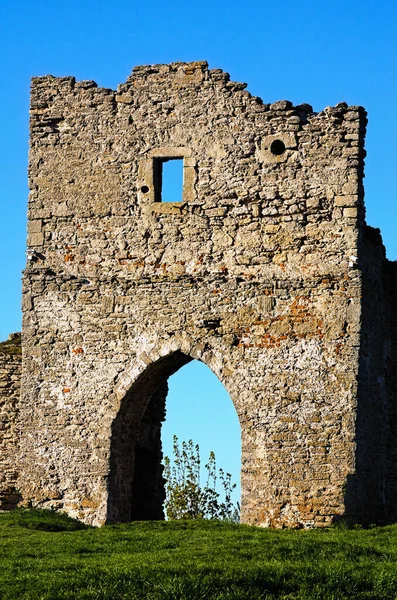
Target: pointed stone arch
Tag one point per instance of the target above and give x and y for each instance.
(135, 482)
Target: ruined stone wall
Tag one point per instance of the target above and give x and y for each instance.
(372, 399)
(148, 492)
(390, 425)
(376, 458)
(255, 273)
(10, 389)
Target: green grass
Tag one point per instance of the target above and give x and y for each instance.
(46, 556)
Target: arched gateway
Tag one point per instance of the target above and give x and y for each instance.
(265, 271)
(136, 485)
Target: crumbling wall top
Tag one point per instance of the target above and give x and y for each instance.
(12, 345)
(180, 74)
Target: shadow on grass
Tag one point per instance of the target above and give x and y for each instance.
(42, 520)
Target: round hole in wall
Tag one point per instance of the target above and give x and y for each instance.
(277, 147)
(144, 189)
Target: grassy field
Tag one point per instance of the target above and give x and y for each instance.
(45, 556)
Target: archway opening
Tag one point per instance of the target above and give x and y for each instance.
(135, 483)
(199, 408)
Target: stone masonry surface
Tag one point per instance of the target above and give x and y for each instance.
(265, 271)
(10, 388)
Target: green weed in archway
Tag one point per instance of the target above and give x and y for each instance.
(186, 498)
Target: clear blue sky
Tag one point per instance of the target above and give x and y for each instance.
(306, 51)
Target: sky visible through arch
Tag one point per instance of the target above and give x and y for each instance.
(306, 51)
(198, 407)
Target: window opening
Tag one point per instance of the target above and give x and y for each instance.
(168, 179)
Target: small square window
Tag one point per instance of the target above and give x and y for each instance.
(168, 179)
(167, 176)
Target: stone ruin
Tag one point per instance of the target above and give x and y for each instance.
(265, 271)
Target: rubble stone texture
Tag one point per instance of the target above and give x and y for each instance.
(10, 388)
(265, 271)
